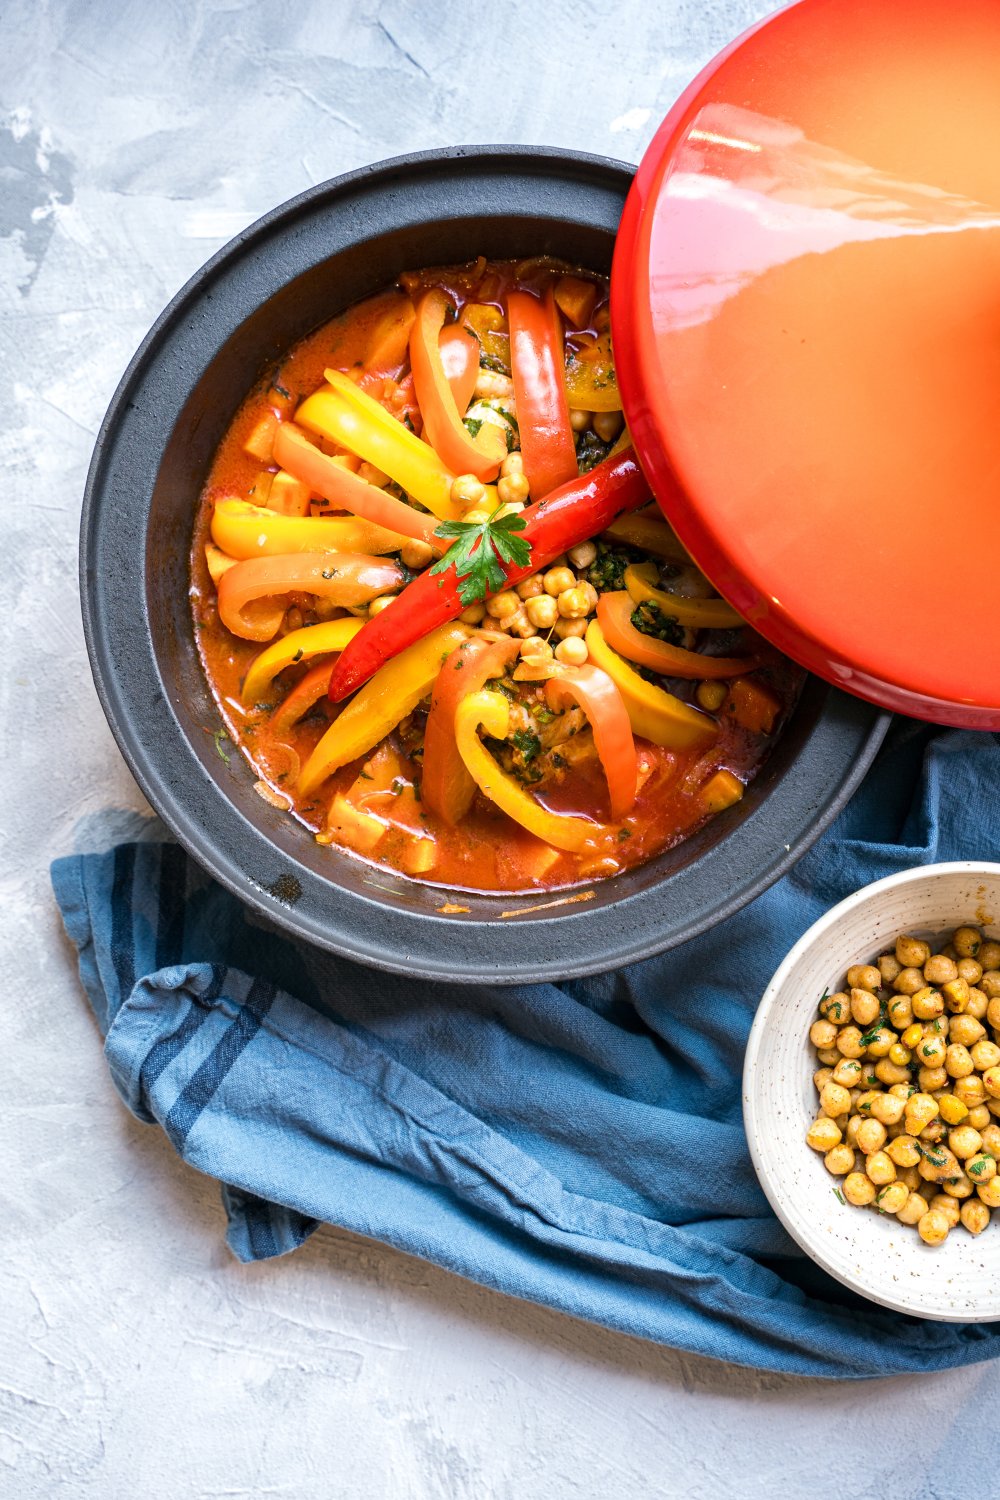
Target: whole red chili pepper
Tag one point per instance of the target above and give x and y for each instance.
(566, 517)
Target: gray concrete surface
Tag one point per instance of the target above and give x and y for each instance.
(136, 1358)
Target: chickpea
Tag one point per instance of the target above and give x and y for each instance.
(582, 555)
(823, 1134)
(900, 1057)
(965, 1030)
(828, 1056)
(512, 489)
(863, 977)
(542, 611)
(607, 425)
(887, 1109)
(904, 1151)
(993, 1013)
(840, 1160)
(910, 1178)
(989, 1193)
(975, 1216)
(979, 1118)
(932, 1051)
(880, 1041)
(865, 1099)
(958, 1187)
(376, 606)
(958, 1061)
(577, 603)
(887, 1071)
(473, 614)
(512, 464)
(991, 1140)
(880, 1168)
(567, 628)
(993, 1105)
(580, 420)
(927, 1004)
(864, 1007)
(939, 1164)
(932, 1079)
(967, 941)
(985, 1055)
(913, 1209)
(911, 952)
(909, 981)
(503, 606)
(990, 984)
(573, 652)
(970, 971)
(939, 970)
(467, 490)
(956, 995)
(869, 1077)
(415, 554)
(933, 1132)
(903, 1091)
(854, 1124)
(965, 1141)
(871, 1137)
(900, 1012)
(953, 1111)
(981, 1168)
(912, 1035)
(858, 1189)
(821, 1076)
(711, 695)
(531, 588)
(970, 1090)
(558, 580)
(933, 1227)
(538, 649)
(989, 955)
(892, 1197)
(942, 1204)
(847, 1072)
(921, 1109)
(889, 967)
(977, 1005)
(991, 1082)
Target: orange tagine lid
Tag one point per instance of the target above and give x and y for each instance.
(806, 312)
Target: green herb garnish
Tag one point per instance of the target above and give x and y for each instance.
(478, 551)
(527, 743)
(839, 1195)
(649, 618)
(221, 738)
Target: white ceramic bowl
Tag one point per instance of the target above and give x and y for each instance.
(873, 1254)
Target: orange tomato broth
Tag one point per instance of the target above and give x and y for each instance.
(488, 851)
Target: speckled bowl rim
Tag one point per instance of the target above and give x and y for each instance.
(754, 1080)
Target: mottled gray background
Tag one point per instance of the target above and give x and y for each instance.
(136, 1357)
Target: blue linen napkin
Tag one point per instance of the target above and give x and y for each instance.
(580, 1145)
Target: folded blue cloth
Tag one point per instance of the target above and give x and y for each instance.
(580, 1144)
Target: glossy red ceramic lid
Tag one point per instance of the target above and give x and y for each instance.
(806, 315)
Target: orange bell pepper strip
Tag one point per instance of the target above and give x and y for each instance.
(601, 701)
(250, 595)
(591, 383)
(296, 646)
(243, 530)
(460, 357)
(356, 421)
(651, 533)
(614, 615)
(447, 788)
(492, 712)
(575, 299)
(345, 491)
(654, 714)
(641, 580)
(464, 454)
(387, 698)
(537, 368)
(304, 696)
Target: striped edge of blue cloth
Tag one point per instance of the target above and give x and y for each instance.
(579, 1145)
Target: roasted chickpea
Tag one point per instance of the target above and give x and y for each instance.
(567, 628)
(823, 1134)
(921, 1109)
(977, 1005)
(991, 1082)
(985, 1055)
(975, 1215)
(989, 1192)
(967, 941)
(956, 995)
(863, 977)
(990, 983)
(958, 1061)
(887, 1071)
(900, 1011)
(572, 652)
(576, 603)
(892, 1197)
(887, 1109)
(840, 1160)
(911, 952)
(927, 1004)
(542, 610)
(531, 588)
(933, 1132)
(904, 1151)
(908, 981)
(376, 606)
(979, 1118)
(558, 580)
(931, 1051)
(958, 1187)
(939, 970)
(965, 1030)
(871, 1136)
(512, 464)
(953, 1111)
(512, 489)
(991, 1140)
(858, 1189)
(988, 956)
(910, 1178)
(415, 554)
(880, 1168)
(912, 1035)
(981, 1168)
(942, 1204)
(939, 1164)
(828, 1056)
(970, 1090)
(993, 1013)
(965, 1141)
(933, 1227)
(889, 967)
(711, 696)
(879, 1041)
(502, 606)
(824, 1034)
(932, 1079)
(914, 1209)
(847, 1072)
(970, 971)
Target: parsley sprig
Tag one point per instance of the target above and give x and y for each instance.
(478, 551)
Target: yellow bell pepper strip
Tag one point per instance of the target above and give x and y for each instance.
(243, 530)
(641, 581)
(537, 367)
(651, 534)
(655, 714)
(356, 421)
(598, 696)
(346, 491)
(591, 383)
(304, 696)
(393, 692)
(217, 562)
(447, 788)
(464, 454)
(614, 615)
(297, 645)
(492, 712)
(251, 595)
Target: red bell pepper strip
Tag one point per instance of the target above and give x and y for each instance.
(346, 491)
(304, 696)
(601, 701)
(538, 370)
(614, 615)
(460, 358)
(444, 427)
(572, 514)
(447, 788)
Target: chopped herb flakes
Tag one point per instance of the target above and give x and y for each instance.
(221, 738)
